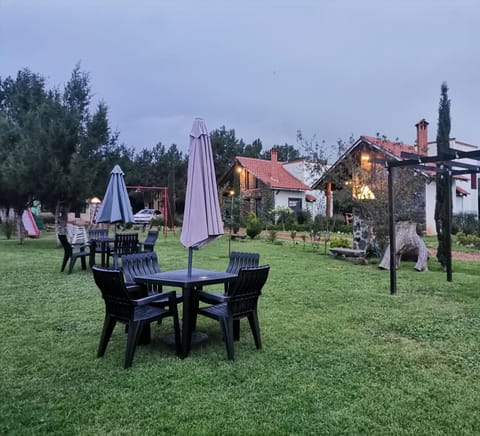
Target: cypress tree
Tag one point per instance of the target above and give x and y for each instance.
(442, 206)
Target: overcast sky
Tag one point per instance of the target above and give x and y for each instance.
(267, 68)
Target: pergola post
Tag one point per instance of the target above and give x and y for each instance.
(391, 221)
(448, 234)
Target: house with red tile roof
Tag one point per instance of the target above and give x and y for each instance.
(265, 184)
(367, 149)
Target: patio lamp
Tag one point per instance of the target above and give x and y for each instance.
(95, 201)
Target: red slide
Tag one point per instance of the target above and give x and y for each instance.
(30, 225)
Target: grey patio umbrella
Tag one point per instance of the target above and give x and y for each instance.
(116, 207)
(202, 220)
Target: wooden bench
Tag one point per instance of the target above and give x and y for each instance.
(357, 256)
(240, 236)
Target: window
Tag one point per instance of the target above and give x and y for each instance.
(295, 204)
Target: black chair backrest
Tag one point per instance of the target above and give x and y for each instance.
(138, 264)
(94, 234)
(65, 244)
(244, 292)
(241, 260)
(125, 243)
(151, 238)
(114, 292)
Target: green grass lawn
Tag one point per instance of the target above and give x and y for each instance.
(340, 355)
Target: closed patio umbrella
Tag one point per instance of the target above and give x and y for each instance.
(202, 221)
(116, 207)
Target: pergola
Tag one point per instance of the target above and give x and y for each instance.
(449, 165)
(166, 210)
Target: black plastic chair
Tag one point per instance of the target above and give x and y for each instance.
(137, 314)
(150, 240)
(240, 259)
(139, 264)
(240, 302)
(237, 260)
(70, 252)
(125, 243)
(94, 234)
(95, 237)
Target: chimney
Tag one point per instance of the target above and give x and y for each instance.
(422, 137)
(274, 154)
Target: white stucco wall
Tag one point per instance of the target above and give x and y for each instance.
(430, 193)
(302, 170)
(281, 197)
(465, 204)
(460, 205)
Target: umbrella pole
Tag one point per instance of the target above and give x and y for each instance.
(114, 237)
(189, 267)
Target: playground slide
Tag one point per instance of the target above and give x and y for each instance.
(30, 225)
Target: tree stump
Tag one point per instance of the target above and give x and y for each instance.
(407, 242)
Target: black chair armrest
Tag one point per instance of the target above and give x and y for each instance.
(80, 245)
(136, 292)
(171, 295)
(211, 297)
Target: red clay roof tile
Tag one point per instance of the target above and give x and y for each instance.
(272, 173)
(396, 148)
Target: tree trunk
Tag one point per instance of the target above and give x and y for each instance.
(20, 228)
(407, 243)
(60, 221)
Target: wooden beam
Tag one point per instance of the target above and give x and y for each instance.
(413, 159)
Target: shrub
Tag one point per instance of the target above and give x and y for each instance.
(304, 237)
(272, 235)
(345, 228)
(466, 223)
(323, 223)
(293, 233)
(339, 243)
(7, 228)
(254, 226)
(304, 227)
(284, 216)
(304, 217)
(274, 227)
(472, 241)
(157, 222)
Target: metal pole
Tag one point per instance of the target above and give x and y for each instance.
(190, 259)
(448, 229)
(391, 221)
(232, 193)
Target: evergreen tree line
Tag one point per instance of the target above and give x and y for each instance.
(58, 149)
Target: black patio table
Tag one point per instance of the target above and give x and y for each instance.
(189, 284)
(104, 242)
